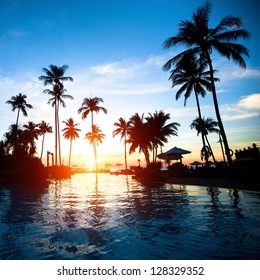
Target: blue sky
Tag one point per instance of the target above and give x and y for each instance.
(114, 51)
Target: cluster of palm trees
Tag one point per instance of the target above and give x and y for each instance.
(193, 67)
(145, 133)
(192, 70)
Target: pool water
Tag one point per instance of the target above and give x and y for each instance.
(116, 217)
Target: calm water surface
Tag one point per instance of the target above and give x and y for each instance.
(116, 217)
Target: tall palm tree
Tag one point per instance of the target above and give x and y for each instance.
(19, 102)
(190, 72)
(205, 126)
(95, 137)
(200, 39)
(58, 94)
(123, 127)
(139, 136)
(55, 76)
(31, 134)
(89, 106)
(44, 128)
(159, 131)
(70, 132)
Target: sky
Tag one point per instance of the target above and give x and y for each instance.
(114, 51)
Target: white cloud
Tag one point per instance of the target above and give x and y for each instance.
(250, 102)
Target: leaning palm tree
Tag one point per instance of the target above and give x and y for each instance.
(204, 127)
(159, 131)
(19, 102)
(95, 137)
(55, 76)
(123, 127)
(200, 39)
(44, 128)
(89, 106)
(190, 72)
(70, 132)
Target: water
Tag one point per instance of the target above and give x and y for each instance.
(116, 217)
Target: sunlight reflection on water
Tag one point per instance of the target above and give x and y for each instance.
(115, 217)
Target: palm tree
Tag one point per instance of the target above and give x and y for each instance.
(139, 136)
(123, 127)
(95, 137)
(55, 76)
(58, 93)
(191, 75)
(30, 134)
(204, 127)
(159, 131)
(200, 39)
(70, 132)
(19, 102)
(44, 128)
(89, 106)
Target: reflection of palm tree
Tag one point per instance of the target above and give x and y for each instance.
(95, 137)
(123, 127)
(19, 102)
(55, 76)
(159, 131)
(43, 129)
(70, 132)
(200, 39)
(89, 106)
(205, 126)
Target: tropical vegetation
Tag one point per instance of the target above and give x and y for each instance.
(191, 71)
(200, 39)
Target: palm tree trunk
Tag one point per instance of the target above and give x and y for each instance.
(220, 124)
(17, 118)
(210, 148)
(55, 108)
(70, 151)
(95, 154)
(42, 144)
(58, 131)
(202, 133)
(125, 154)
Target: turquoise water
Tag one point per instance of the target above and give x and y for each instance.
(116, 217)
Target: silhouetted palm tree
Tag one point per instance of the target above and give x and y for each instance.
(58, 94)
(200, 39)
(159, 131)
(19, 103)
(191, 75)
(95, 137)
(44, 128)
(123, 127)
(55, 76)
(89, 106)
(31, 134)
(70, 132)
(205, 126)
(139, 136)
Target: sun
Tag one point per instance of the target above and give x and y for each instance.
(89, 161)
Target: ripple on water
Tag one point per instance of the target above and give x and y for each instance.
(115, 217)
